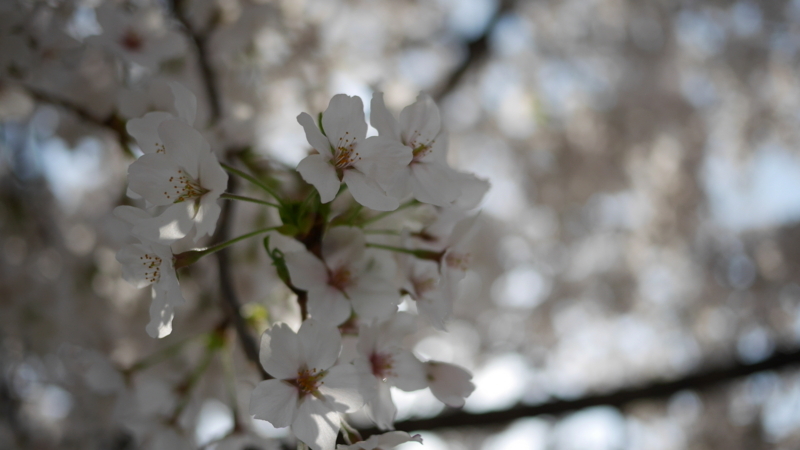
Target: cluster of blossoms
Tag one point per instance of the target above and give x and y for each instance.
(363, 278)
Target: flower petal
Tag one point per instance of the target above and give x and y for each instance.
(184, 144)
(145, 130)
(166, 295)
(280, 352)
(430, 183)
(382, 119)
(329, 304)
(367, 192)
(342, 386)
(320, 344)
(185, 102)
(343, 246)
(274, 401)
(316, 424)
(381, 409)
(449, 383)
(315, 136)
(318, 172)
(173, 224)
(409, 372)
(420, 121)
(306, 270)
(344, 119)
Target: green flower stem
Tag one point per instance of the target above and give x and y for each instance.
(421, 254)
(248, 199)
(380, 216)
(253, 180)
(190, 257)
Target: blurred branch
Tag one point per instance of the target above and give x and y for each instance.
(230, 301)
(200, 42)
(477, 50)
(701, 380)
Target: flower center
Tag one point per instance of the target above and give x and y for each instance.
(341, 278)
(458, 260)
(346, 153)
(382, 365)
(131, 41)
(308, 381)
(184, 188)
(421, 286)
(421, 151)
(152, 267)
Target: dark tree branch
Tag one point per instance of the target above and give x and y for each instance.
(200, 42)
(477, 50)
(230, 301)
(701, 380)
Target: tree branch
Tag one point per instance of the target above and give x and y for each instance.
(230, 301)
(476, 51)
(200, 42)
(701, 380)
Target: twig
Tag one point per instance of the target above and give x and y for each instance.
(701, 380)
(476, 51)
(230, 300)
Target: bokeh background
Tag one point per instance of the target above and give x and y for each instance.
(642, 223)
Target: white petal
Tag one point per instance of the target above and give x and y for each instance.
(166, 295)
(206, 216)
(343, 246)
(173, 224)
(314, 136)
(280, 352)
(472, 189)
(212, 176)
(420, 121)
(383, 159)
(344, 119)
(316, 424)
(306, 270)
(133, 271)
(449, 383)
(327, 303)
(149, 177)
(320, 344)
(382, 119)
(130, 214)
(382, 410)
(409, 372)
(430, 183)
(185, 102)
(183, 144)
(145, 130)
(274, 401)
(318, 172)
(368, 193)
(342, 385)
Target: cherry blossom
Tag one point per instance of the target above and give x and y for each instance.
(348, 278)
(427, 176)
(346, 155)
(308, 392)
(182, 175)
(421, 281)
(384, 363)
(449, 383)
(140, 37)
(145, 129)
(385, 441)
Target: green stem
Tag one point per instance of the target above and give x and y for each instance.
(248, 199)
(421, 254)
(253, 180)
(190, 257)
(380, 216)
(392, 232)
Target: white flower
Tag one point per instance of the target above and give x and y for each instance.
(385, 441)
(346, 154)
(145, 129)
(427, 175)
(421, 281)
(308, 391)
(184, 176)
(151, 264)
(449, 383)
(141, 37)
(348, 278)
(384, 363)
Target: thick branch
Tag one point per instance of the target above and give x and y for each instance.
(701, 380)
(230, 301)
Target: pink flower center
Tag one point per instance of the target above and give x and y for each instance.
(382, 364)
(308, 381)
(341, 278)
(131, 41)
(458, 260)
